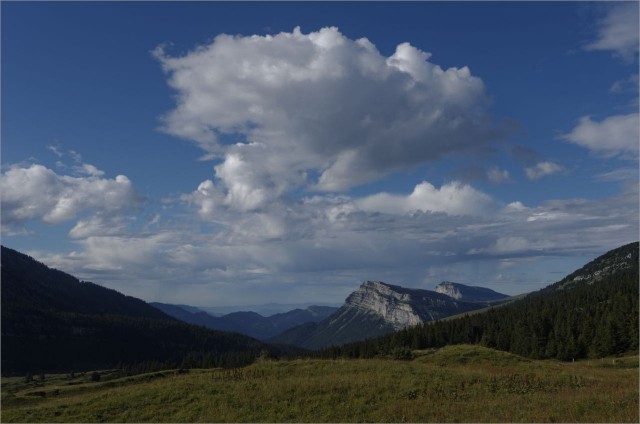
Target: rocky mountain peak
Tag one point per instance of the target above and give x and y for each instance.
(449, 288)
(390, 302)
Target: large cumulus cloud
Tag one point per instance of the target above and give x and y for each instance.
(319, 110)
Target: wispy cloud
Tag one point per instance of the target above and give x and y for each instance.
(543, 169)
(618, 30)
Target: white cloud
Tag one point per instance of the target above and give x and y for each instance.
(452, 198)
(542, 169)
(37, 192)
(100, 224)
(612, 136)
(322, 247)
(618, 30)
(497, 175)
(306, 110)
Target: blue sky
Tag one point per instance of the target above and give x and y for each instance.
(243, 153)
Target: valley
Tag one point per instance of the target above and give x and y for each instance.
(74, 351)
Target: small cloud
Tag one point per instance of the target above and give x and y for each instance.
(612, 136)
(625, 85)
(56, 150)
(77, 157)
(89, 169)
(542, 169)
(497, 175)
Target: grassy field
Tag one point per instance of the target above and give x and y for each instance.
(457, 383)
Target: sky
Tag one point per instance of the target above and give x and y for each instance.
(216, 154)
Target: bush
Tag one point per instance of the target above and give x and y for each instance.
(402, 353)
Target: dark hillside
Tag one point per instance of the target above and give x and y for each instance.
(53, 322)
(26, 281)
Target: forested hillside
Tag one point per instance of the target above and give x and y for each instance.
(51, 321)
(593, 312)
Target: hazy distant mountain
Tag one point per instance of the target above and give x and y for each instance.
(468, 293)
(266, 309)
(374, 309)
(51, 321)
(249, 323)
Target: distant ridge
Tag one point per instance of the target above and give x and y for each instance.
(249, 323)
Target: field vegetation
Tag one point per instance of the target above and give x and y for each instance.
(454, 383)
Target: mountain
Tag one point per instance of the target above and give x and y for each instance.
(249, 323)
(374, 309)
(468, 293)
(591, 313)
(51, 321)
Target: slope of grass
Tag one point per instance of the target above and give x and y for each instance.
(457, 383)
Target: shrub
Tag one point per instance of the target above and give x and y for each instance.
(402, 353)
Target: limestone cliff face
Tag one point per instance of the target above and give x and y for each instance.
(449, 288)
(374, 309)
(466, 293)
(401, 307)
(393, 306)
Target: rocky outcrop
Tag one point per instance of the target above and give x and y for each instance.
(468, 293)
(449, 288)
(393, 306)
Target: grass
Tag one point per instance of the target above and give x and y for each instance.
(453, 384)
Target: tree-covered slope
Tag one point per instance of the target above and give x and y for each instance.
(590, 317)
(53, 322)
(28, 282)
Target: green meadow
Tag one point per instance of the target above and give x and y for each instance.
(452, 384)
